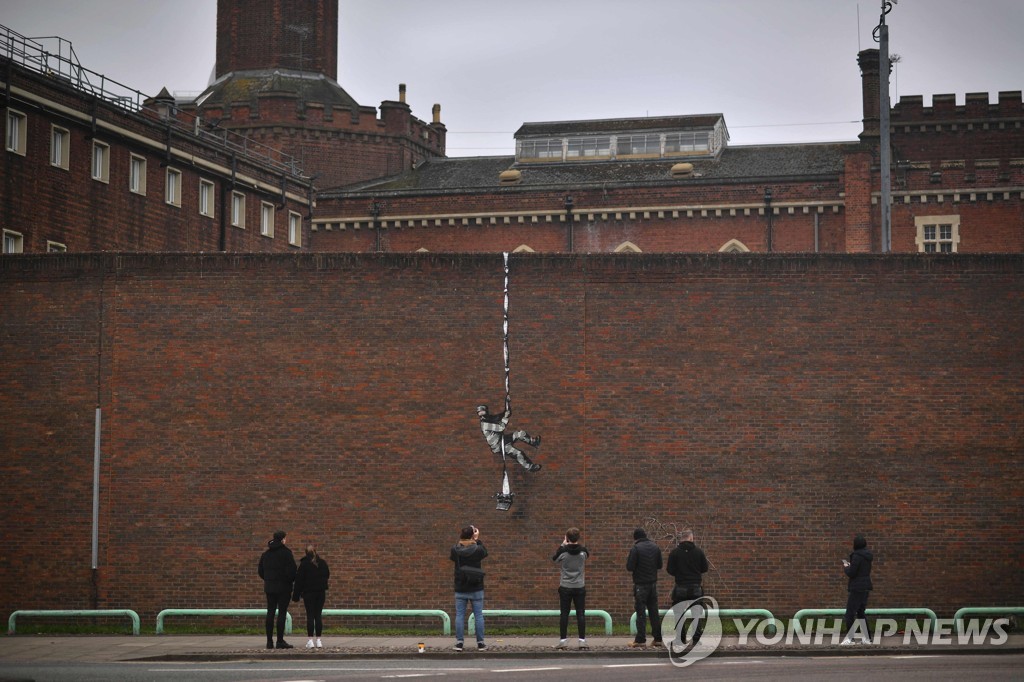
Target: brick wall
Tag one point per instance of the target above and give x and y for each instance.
(777, 405)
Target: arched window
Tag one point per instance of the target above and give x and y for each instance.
(734, 246)
(522, 248)
(627, 247)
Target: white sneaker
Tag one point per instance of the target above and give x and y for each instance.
(846, 642)
(309, 644)
(865, 640)
(562, 644)
(319, 644)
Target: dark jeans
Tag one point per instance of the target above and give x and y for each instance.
(689, 592)
(684, 592)
(856, 603)
(314, 602)
(277, 601)
(645, 601)
(567, 597)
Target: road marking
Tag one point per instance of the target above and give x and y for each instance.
(523, 670)
(632, 665)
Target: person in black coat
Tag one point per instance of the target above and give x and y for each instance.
(277, 568)
(687, 564)
(311, 584)
(644, 562)
(858, 570)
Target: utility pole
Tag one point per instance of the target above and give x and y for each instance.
(881, 36)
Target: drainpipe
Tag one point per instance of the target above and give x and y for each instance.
(375, 213)
(815, 232)
(768, 212)
(569, 219)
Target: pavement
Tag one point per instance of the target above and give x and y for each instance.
(122, 648)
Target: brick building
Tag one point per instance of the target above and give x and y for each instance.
(381, 182)
(777, 402)
(673, 184)
(92, 165)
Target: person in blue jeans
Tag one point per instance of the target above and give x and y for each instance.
(468, 552)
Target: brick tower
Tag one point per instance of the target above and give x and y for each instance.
(276, 83)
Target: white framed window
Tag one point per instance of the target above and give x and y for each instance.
(206, 200)
(100, 161)
(60, 147)
(172, 185)
(294, 229)
(55, 247)
(137, 174)
(17, 132)
(588, 147)
(13, 242)
(238, 209)
(648, 144)
(266, 219)
(550, 148)
(687, 143)
(937, 233)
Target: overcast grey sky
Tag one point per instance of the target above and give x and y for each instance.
(779, 70)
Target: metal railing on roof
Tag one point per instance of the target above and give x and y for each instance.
(36, 55)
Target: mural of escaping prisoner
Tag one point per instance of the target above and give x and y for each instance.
(493, 426)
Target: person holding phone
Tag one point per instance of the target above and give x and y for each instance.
(571, 589)
(858, 570)
(468, 552)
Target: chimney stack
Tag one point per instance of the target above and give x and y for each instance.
(401, 93)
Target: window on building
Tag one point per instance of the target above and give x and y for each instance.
(266, 219)
(100, 161)
(687, 143)
(55, 247)
(541, 149)
(137, 174)
(60, 147)
(238, 209)
(206, 200)
(294, 229)
(17, 132)
(13, 242)
(937, 233)
(638, 145)
(172, 191)
(588, 147)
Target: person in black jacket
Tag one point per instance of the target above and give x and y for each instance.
(311, 584)
(688, 564)
(858, 570)
(277, 568)
(644, 562)
(469, 551)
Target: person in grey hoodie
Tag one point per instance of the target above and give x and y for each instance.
(571, 589)
(858, 570)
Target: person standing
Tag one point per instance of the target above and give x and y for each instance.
(571, 590)
(687, 564)
(467, 554)
(644, 562)
(277, 568)
(311, 584)
(858, 570)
